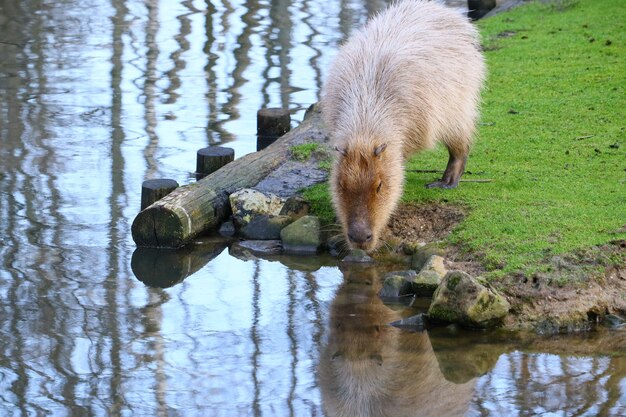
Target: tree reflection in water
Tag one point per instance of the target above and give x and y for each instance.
(95, 97)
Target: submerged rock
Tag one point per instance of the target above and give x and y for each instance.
(248, 203)
(416, 323)
(462, 299)
(302, 236)
(265, 247)
(397, 284)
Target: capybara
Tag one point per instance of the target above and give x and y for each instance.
(409, 79)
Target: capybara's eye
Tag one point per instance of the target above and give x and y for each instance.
(380, 185)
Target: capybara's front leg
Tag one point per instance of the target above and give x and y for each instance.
(453, 172)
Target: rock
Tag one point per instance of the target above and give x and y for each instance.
(358, 256)
(227, 229)
(462, 299)
(242, 253)
(416, 323)
(336, 245)
(265, 227)
(613, 321)
(302, 236)
(264, 247)
(397, 284)
(423, 254)
(431, 274)
(295, 207)
(248, 203)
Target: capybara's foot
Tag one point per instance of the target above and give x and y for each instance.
(453, 172)
(442, 184)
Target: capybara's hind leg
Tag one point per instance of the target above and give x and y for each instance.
(454, 170)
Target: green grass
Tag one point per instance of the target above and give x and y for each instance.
(552, 138)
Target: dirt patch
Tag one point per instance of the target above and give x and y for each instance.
(424, 223)
(573, 294)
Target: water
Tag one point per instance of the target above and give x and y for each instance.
(97, 96)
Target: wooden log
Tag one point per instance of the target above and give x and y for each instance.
(209, 160)
(196, 208)
(154, 190)
(271, 123)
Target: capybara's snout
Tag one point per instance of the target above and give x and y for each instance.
(360, 233)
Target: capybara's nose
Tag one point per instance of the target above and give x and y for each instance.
(360, 236)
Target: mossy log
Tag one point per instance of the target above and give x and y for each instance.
(200, 207)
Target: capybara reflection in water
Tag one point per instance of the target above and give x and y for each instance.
(409, 79)
(368, 368)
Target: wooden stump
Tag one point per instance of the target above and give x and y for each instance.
(209, 160)
(271, 123)
(154, 190)
(479, 8)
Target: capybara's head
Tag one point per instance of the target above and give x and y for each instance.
(366, 184)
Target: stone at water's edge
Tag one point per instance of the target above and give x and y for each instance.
(248, 203)
(462, 299)
(424, 283)
(430, 276)
(302, 236)
(358, 256)
(227, 229)
(264, 227)
(423, 254)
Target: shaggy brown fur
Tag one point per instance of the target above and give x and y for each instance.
(409, 79)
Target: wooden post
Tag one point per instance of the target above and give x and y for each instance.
(202, 206)
(153, 190)
(209, 160)
(271, 123)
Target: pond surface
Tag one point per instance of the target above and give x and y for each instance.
(97, 96)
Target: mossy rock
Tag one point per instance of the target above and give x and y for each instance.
(462, 299)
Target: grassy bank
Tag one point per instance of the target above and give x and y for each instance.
(551, 139)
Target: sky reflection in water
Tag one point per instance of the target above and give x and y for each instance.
(97, 96)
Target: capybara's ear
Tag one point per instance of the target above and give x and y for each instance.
(341, 150)
(379, 149)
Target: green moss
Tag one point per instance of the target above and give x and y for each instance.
(304, 151)
(453, 281)
(443, 314)
(321, 204)
(325, 164)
